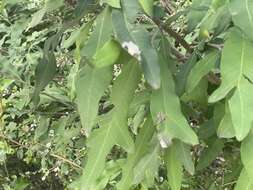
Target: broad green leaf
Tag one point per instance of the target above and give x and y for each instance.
(91, 84)
(184, 154)
(242, 15)
(107, 55)
(240, 105)
(247, 155)
(174, 168)
(244, 182)
(101, 33)
(127, 33)
(215, 147)
(235, 64)
(225, 128)
(201, 68)
(113, 130)
(147, 6)
(141, 148)
(166, 111)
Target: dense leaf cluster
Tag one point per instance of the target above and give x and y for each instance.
(126, 94)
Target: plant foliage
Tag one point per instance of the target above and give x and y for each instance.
(126, 94)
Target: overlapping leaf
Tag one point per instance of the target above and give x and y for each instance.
(113, 130)
(141, 148)
(166, 111)
(236, 73)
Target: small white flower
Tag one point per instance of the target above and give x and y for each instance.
(132, 49)
(48, 145)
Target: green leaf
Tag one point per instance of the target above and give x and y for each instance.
(101, 33)
(183, 152)
(236, 72)
(44, 73)
(215, 147)
(141, 38)
(244, 182)
(37, 18)
(241, 104)
(42, 127)
(112, 3)
(147, 167)
(141, 148)
(225, 128)
(242, 15)
(113, 130)
(247, 155)
(107, 55)
(51, 5)
(91, 84)
(235, 63)
(201, 68)
(174, 168)
(147, 6)
(166, 111)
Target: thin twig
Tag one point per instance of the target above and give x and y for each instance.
(51, 154)
(167, 29)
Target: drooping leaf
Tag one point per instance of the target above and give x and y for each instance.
(174, 168)
(113, 130)
(235, 63)
(166, 111)
(91, 84)
(236, 73)
(141, 148)
(42, 127)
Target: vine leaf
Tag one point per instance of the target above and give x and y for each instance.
(113, 130)
(166, 111)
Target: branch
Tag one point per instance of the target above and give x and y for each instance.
(174, 34)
